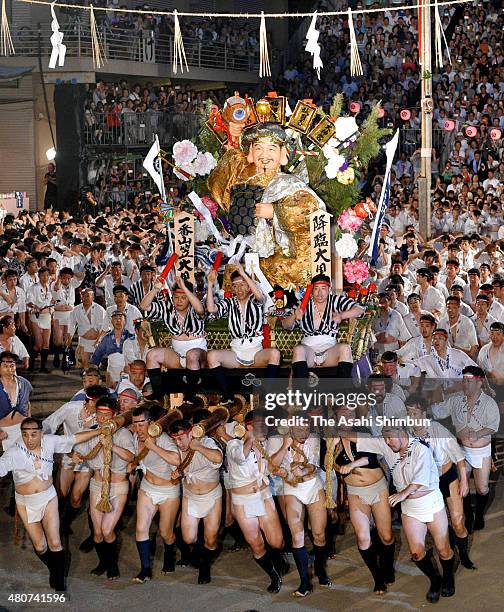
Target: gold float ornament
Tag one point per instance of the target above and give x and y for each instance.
(302, 116)
(346, 177)
(218, 417)
(239, 430)
(263, 108)
(163, 424)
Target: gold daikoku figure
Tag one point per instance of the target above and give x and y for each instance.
(270, 208)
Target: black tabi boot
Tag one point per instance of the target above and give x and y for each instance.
(156, 379)
(386, 554)
(69, 514)
(58, 570)
(46, 559)
(112, 554)
(479, 514)
(448, 579)
(266, 564)
(101, 568)
(44, 354)
(221, 383)
(463, 550)
(300, 369)
(236, 533)
(57, 360)
(468, 512)
(303, 568)
(87, 545)
(192, 381)
(279, 561)
(426, 565)
(168, 559)
(319, 565)
(270, 383)
(370, 558)
(143, 547)
(205, 556)
(344, 370)
(33, 357)
(186, 554)
(300, 376)
(330, 535)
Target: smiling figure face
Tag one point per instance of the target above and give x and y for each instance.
(267, 155)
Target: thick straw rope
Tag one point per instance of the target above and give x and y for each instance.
(104, 504)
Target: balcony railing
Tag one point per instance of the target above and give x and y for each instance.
(146, 47)
(132, 129)
(410, 139)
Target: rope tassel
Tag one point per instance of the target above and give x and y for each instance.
(99, 55)
(264, 63)
(179, 55)
(355, 62)
(439, 37)
(6, 45)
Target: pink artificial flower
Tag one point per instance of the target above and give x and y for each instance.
(349, 221)
(356, 271)
(212, 206)
(184, 152)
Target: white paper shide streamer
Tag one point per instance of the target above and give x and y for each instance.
(264, 63)
(313, 45)
(58, 48)
(6, 45)
(179, 56)
(99, 55)
(355, 62)
(439, 37)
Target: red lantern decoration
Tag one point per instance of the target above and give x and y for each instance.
(381, 113)
(405, 114)
(372, 288)
(354, 107)
(449, 125)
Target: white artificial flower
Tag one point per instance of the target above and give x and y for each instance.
(345, 127)
(334, 163)
(346, 246)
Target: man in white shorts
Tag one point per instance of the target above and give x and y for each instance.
(202, 492)
(319, 323)
(63, 292)
(245, 315)
(157, 458)
(475, 417)
(298, 456)
(183, 315)
(415, 476)
(31, 462)
(252, 502)
(88, 318)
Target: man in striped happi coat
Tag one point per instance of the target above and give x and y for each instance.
(182, 314)
(245, 315)
(319, 323)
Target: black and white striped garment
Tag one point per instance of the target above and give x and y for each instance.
(137, 293)
(191, 325)
(335, 303)
(241, 327)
